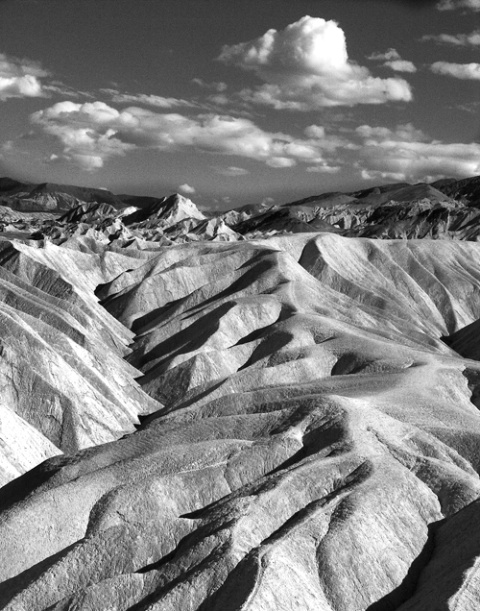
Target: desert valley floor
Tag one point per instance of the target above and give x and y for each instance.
(272, 409)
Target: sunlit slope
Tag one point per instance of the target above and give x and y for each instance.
(64, 382)
(317, 446)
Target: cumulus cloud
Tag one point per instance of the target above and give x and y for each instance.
(392, 59)
(462, 71)
(459, 40)
(85, 132)
(405, 154)
(20, 78)
(450, 5)
(186, 188)
(306, 67)
(94, 132)
(406, 133)
(155, 101)
(315, 131)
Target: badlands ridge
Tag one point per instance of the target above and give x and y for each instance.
(266, 410)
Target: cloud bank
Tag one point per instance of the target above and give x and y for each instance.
(94, 132)
(306, 67)
(90, 134)
(406, 154)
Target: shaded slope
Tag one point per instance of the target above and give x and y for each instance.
(466, 341)
(467, 189)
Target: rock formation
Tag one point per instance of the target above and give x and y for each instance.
(230, 414)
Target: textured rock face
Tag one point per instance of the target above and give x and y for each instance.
(309, 441)
(65, 385)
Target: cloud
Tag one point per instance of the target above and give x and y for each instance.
(20, 87)
(324, 168)
(267, 201)
(459, 40)
(231, 171)
(14, 66)
(61, 89)
(315, 131)
(306, 67)
(471, 107)
(450, 5)
(79, 129)
(281, 162)
(405, 154)
(155, 101)
(406, 133)
(20, 78)
(185, 188)
(220, 87)
(388, 55)
(401, 65)
(392, 59)
(93, 132)
(460, 71)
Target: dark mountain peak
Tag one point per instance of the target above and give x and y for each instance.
(466, 189)
(86, 194)
(379, 189)
(10, 185)
(324, 200)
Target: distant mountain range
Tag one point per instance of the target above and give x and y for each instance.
(51, 197)
(445, 209)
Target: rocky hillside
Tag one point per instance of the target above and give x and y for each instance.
(50, 197)
(264, 411)
(448, 209)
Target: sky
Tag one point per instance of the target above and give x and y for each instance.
(231, 103)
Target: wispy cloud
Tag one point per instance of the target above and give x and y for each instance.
(218, 86)
(231, 171)
(155, 101)
(471, 107)
(392, 59)
(61, 89)
(451, 5)
(458, 40)
(324, 168)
